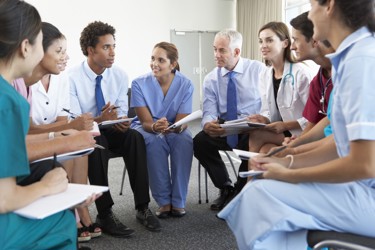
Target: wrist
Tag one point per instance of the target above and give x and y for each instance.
(51, 135)
(153, 128)
(181, 129)
(291, 157)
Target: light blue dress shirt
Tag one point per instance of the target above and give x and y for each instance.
(215, 84)
(82, 89)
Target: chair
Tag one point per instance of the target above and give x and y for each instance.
(131, 113)
(318, 240)
(230, 161)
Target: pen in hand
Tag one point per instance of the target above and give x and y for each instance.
(73, 115)
(95, 145)
(275, 151)
(115, 107)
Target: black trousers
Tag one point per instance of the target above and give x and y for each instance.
(37, 171)
(206, 150)
(132, 147)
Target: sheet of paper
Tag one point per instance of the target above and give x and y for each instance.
(95, 130)
(48, 205)
(250, 173)
(244, 155)
(68, 156)
(239, 127)
(193, 116)
(112, 122)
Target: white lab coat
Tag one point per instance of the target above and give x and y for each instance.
(291, 97)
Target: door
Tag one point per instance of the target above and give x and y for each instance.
(196, 58)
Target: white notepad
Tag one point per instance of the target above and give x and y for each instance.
(244, 155)
(112, 122)
(68, 156)
(245, 174)
(48, 205)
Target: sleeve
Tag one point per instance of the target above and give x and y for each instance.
(358, 113)
(303, 78)
(210, 100)
(122, 97)
(137, 98)
(64, 97)
(312, 107)
(12, 144)
(75, 107)
(265, 109)
(187, 102)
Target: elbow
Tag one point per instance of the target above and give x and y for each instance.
(369, 171)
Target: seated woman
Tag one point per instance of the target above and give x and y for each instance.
(20, 51)
(161, 98)
(284, 89)
(317, 190)
(50, 94)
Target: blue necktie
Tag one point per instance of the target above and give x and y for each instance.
(99, 95)
(232, 140)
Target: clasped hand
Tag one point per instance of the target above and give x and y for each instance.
(275, 168)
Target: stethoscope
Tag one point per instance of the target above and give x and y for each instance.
(324, 88)
(289, 75)
(290, 78)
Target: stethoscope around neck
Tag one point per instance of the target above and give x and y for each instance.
(324, 88)
(289, 77)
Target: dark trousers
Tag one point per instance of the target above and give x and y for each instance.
(37, 171)
(132, 147)
(206, 151)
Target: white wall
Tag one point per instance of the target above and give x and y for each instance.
(139, 24)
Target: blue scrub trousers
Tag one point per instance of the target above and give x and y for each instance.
(169, 184)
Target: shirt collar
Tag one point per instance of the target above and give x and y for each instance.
(90, 73)
(237, 69)
(353, 38)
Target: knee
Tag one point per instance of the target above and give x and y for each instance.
(200, 140)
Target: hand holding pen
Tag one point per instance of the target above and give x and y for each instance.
(82, 137)
(56, 180)
(109, 112)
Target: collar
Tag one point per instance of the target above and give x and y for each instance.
(237, 69)
(353, 38)
(90, 73)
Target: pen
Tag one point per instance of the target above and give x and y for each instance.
(73, 115)
(95, 145)
(275, 151)
(115, 107)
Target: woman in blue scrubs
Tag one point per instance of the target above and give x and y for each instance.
(20, 51)
(161, 98)
(318, 190)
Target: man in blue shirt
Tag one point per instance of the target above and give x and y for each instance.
(246, 101)
(98, 87)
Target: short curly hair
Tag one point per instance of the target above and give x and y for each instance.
(90, 35)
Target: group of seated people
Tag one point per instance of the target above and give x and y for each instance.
(329, 138)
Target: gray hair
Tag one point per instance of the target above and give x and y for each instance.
(234, 37)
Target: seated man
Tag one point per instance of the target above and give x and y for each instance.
(244, 74)
(99, 88)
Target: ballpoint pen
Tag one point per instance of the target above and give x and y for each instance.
(73, 115)
(115, 107)
(275, 151)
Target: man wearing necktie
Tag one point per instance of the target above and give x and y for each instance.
(98, 87)
(230, 91)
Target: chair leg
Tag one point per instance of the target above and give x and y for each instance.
(123, 180)
(231, 163)
(205, 181)
(199, 183)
